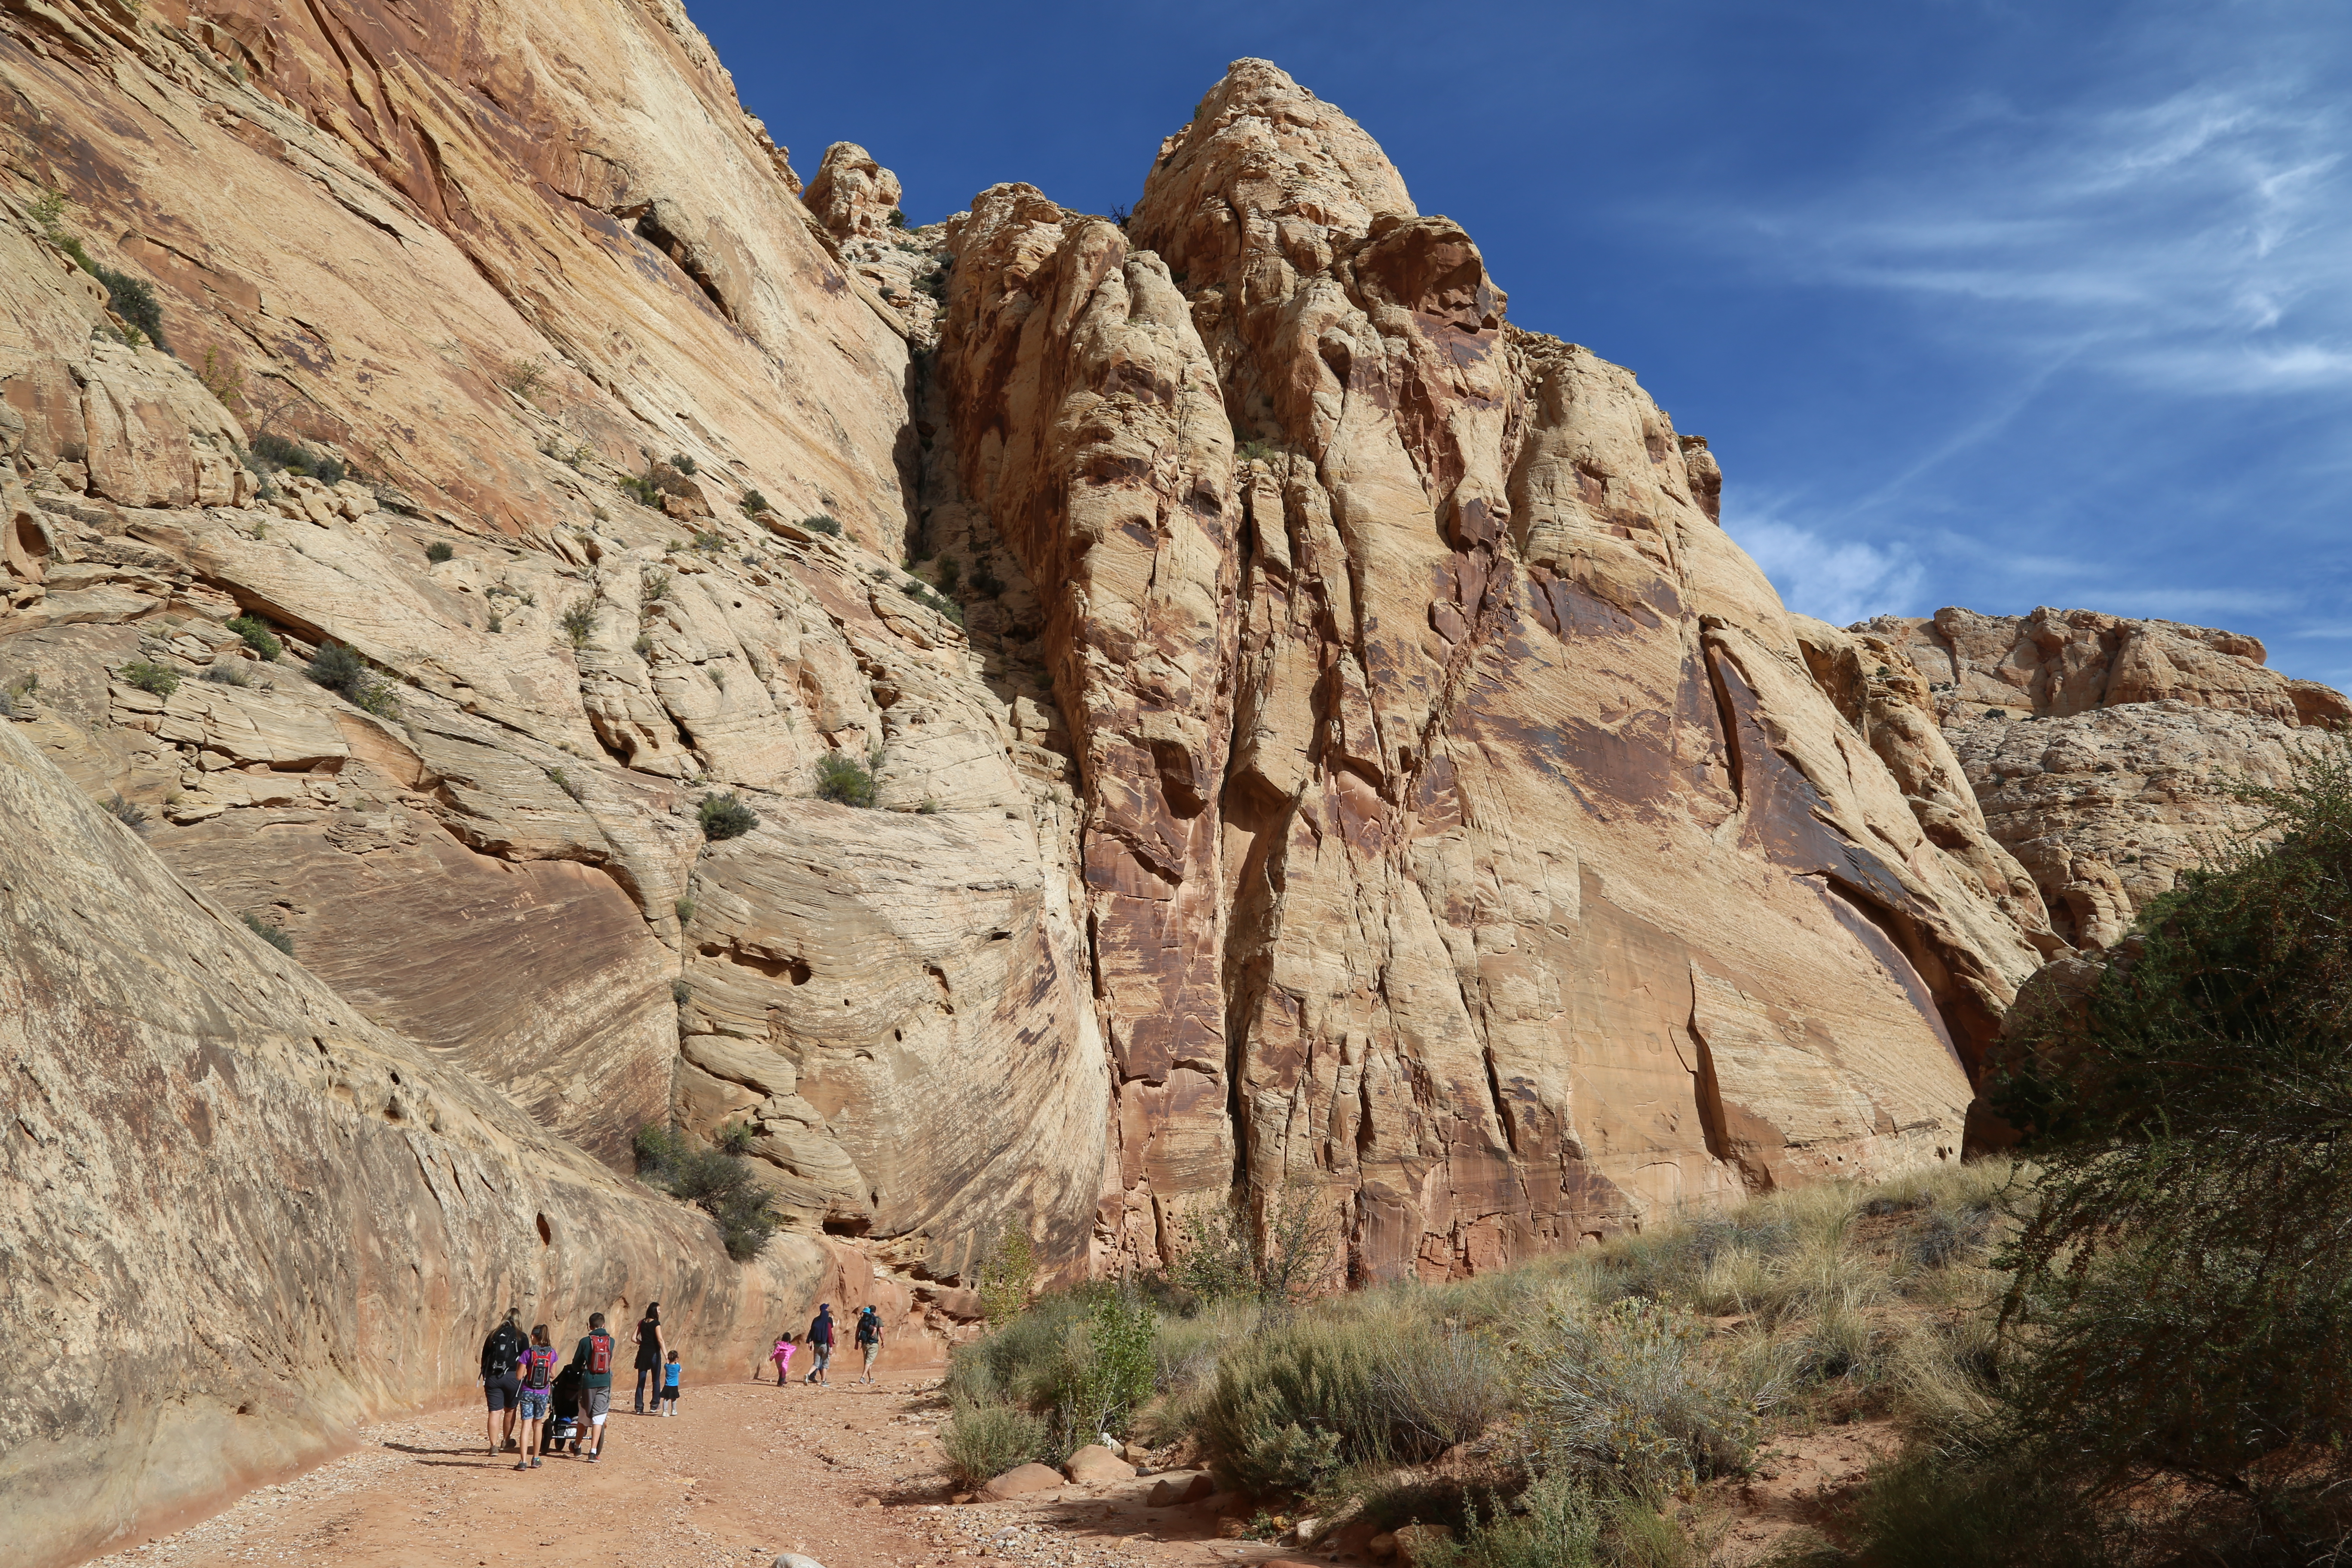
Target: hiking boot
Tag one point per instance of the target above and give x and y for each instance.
(520, 1466)
(534, 1461)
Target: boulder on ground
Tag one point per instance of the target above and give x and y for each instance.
(1180, 1486)
(1021, 1481)
(1415, 1543)
(1094, 1465)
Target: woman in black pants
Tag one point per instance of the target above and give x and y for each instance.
(647, 1333)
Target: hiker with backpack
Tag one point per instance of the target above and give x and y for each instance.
(820, 1337)
(501, 1353)
(869, 1337)
(538, 1371)
(593, 1358)
(648, 1337)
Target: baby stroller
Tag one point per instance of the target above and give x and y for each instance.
(562, 1424)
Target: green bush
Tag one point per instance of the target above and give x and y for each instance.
(1007, 1275)
(985, 1440)
(725, 816)
(225, 672)
(685, 908)
(564, 781)
(2181, 1302)
(822, 523)
(578, 620)
(842, 778)
(719, 1183)
(657, 586)
(134, 300)
(128, 813)
(753, 503)
(269, 933)
(681, 462)
(708, 541)
(439, 551)
(160, 680)
(341, 671)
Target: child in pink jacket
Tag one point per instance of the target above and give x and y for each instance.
(783, 1357)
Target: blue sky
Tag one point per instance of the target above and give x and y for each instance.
(1980, 303)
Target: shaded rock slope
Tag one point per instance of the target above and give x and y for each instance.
(1290, 727)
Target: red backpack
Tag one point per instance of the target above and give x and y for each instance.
(539, 1367)
(600, 1354)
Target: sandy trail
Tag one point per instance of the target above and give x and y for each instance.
(850, 1476)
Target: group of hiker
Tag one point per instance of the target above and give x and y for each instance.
(868, 1336)
(544, 1407)
(538, 1407)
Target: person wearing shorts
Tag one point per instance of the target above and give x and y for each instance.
(869, 1337)
(595, 1387)
(538, 1391)
(820, 1342)
(501, 1353)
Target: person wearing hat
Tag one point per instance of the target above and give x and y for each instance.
(820, 1339)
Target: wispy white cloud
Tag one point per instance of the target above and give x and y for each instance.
(1839, 579)
(2193, 242)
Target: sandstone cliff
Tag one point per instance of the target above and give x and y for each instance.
(1319, 732)
(2104, 751)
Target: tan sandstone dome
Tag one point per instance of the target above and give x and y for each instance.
(1325, 741)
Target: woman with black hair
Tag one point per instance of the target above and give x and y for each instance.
(648, 1337)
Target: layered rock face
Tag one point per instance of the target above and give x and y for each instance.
(239, 1212)
(2105, 751)
(1326, 742)
(1465, 831)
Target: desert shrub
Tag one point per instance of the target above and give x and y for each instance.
(564, 781)
(341, 671)
(578, 620)
(1927, 1510)
(681, 462)
(129, 812)
(1223, 1252)
(439, 551)
(640, 489)
(719, 1183)
(753, 503)
(1560, 1523)
(1299, 1403)
(224, 379)
(497, 623)
(329, 470)
(643, 647)
(842, 778)
(160, 680)
(1007, 1275)
(985, 1440)
(225, 672)
(269, 933)
(707, 540)
(1628, 1390)
(725, 816)
(1441, 1388)
(2179, 1303)
(657, 586)
(685, 908)
(949, 571)
(522, 377)
(821, 523)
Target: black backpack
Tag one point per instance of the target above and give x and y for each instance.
(504, 1350)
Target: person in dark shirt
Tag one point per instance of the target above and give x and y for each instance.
(648, 1337)
(869, 1337)
(501, 1355)
(820, 1345)
(594, 1352)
